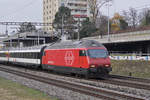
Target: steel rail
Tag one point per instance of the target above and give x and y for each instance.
(128, 84)
(130, 78)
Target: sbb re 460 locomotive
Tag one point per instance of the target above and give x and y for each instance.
(85, 57)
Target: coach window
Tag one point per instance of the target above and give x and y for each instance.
(82, 53)
(2, 55)
(29, 56)
(16, 55)
(11, 55)
(32, 55)
(37, 55)
(19, 56)
(24, 55)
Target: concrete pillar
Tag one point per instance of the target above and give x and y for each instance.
(148, 49)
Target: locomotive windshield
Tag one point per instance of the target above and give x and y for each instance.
(97, 53)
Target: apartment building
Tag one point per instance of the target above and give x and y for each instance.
(79, 9)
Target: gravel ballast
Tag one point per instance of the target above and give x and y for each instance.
(61, 93)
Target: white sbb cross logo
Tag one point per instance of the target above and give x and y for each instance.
(69, 58)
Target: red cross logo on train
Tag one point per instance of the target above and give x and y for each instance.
(69, 58)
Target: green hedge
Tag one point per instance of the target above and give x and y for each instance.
(136, 68)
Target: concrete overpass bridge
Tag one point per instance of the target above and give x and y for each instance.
(132, 42)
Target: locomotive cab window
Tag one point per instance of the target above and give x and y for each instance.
(98, 53)
(82, 53)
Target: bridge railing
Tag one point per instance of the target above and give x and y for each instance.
(118, 35)
(129, 56)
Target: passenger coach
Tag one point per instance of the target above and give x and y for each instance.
(4, 56)
(23, 56)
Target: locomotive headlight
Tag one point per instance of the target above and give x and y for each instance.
(107, 65)
(93, 66)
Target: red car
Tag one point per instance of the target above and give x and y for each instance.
(86, 57)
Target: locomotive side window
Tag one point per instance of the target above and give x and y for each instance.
(82, 53)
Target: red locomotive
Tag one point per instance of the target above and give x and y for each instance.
(86, 57)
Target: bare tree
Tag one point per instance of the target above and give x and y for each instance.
(133, 15)
(95, 6)
(101, 24)
(126, 16)
(144, 17)
(26, 27)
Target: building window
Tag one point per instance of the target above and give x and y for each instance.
(62, 4)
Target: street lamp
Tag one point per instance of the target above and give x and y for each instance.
(38, 38)
(62, 31)
(108, 5)
(78, 28)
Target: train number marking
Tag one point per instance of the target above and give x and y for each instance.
(69, 58)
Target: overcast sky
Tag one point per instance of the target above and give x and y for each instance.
(31, 10)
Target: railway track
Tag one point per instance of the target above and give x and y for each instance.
(132, 82)
(130, 78)
(137, 83)
(128, 82)
(83, 89)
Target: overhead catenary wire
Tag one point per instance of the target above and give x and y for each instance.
(138, 9)
(18, 10)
